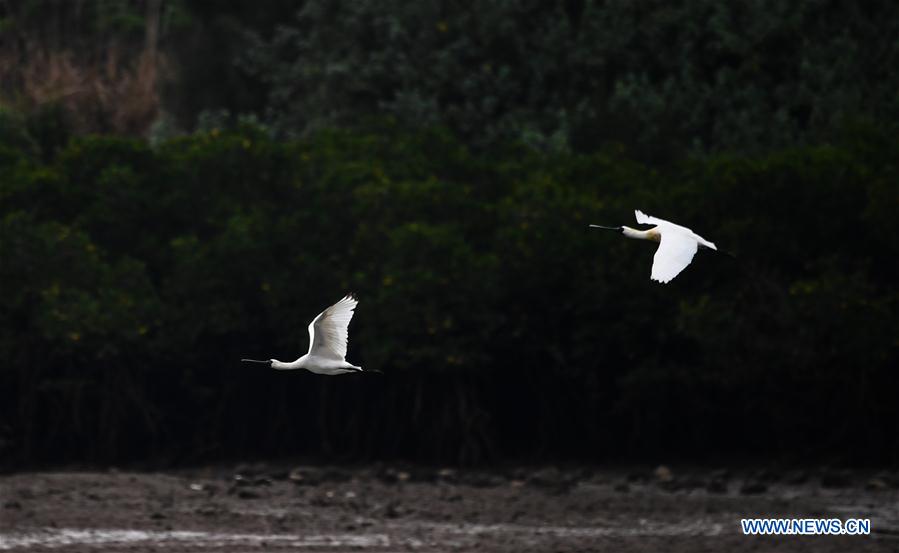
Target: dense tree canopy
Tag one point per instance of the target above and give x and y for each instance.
(134, 277)
(663, 79)
(657, 76)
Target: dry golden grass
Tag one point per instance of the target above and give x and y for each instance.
(104, 93)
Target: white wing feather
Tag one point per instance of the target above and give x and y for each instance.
(663, 225)
(645, 219)
(328, 332)
(676, 251)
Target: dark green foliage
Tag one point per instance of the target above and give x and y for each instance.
(663, 78)
(135, 277)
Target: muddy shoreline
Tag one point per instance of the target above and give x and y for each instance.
(262, 507)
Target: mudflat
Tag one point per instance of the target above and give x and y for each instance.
(260, 507)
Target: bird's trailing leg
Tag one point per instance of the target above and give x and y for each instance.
(264, 362)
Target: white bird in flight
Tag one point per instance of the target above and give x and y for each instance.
(677, 244)
(327, 342)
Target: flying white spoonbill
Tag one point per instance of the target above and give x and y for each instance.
(677, 244)
(327, 342)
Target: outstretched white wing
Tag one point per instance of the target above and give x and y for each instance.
(676, 251)
(328, 332)
(645, 219)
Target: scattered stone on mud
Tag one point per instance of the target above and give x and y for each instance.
(665, 480)
(240, 480)
(663, 474)
(391, 475)
(447, 476)
(302, 476)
